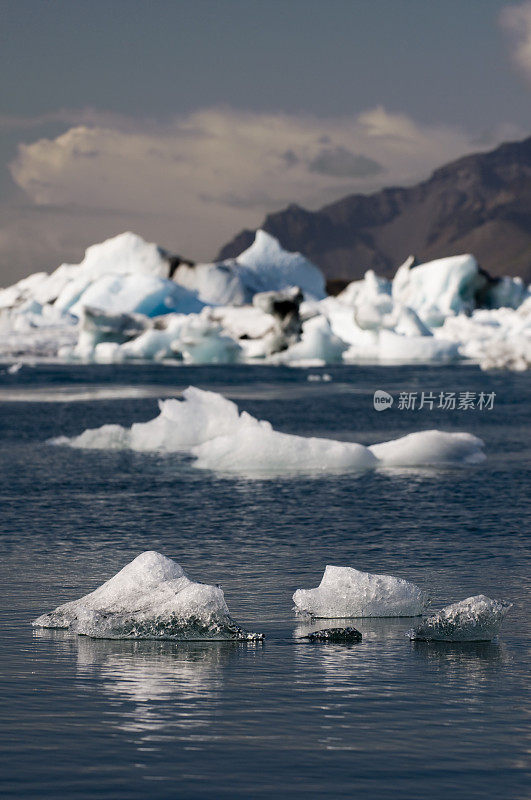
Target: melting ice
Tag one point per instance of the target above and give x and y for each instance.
(347, 592)
(220, 438)
(150, 598)
(476, 619)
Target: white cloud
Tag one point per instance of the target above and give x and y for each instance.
(516, 20)
(224, 154)
(194, 182)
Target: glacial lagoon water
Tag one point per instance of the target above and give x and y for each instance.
(385, 718)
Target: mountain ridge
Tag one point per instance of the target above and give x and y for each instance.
(479, 203)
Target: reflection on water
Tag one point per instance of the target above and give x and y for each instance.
(451, 655)
(158, 685)
(371, 628)
(154, 686)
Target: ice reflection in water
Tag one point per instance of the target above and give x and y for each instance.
(158, 686)
(466, 666)
(371, 676)
(158, 689)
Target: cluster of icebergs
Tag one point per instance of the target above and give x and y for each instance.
(129, 299)
(219, 437)
(151, 598)
(346, 592)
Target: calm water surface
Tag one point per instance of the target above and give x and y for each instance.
(385, 718)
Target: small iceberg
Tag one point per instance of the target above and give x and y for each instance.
(150, 598)
(428, 448)
(221, 438)
(348, 592)
(476, 619)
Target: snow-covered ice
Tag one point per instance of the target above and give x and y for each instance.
(212, 429)
(150, 598)
(475, 619)
(347, 592)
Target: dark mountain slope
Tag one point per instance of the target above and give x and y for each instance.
(479, 204)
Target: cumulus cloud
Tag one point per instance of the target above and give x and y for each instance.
(516, 21)
(265, 160)
(195, 181)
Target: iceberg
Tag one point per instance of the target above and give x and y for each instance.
(425, 448)
(130, 299)
(318, 345)
(264, 267)
(201, 341)
(192, 338)
(347, 592)
(379, 328)
(476, 619)
(454, 285)
(123, 274)
(438, 288)
(254, 447)
(150, 598)
(136, 294)
(271, 268)
(212, 429)
(496, 338)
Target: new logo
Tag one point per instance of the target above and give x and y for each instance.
(382, 400)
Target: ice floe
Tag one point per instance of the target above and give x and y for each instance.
(150, 598)
(347, 592)
(475, 619)
(425, 448)
(212, 429)
(130, 299)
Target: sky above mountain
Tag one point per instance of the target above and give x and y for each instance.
(187, 121)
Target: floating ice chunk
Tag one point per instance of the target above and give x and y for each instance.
(180, 426)
(14, 368)
(150, 598)
(255, 447)
(348, 592)
(158, 342)
(212, 429)
(426, 448)
(199, 417)
(476, 619)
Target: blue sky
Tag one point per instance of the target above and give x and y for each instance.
(186, 121)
